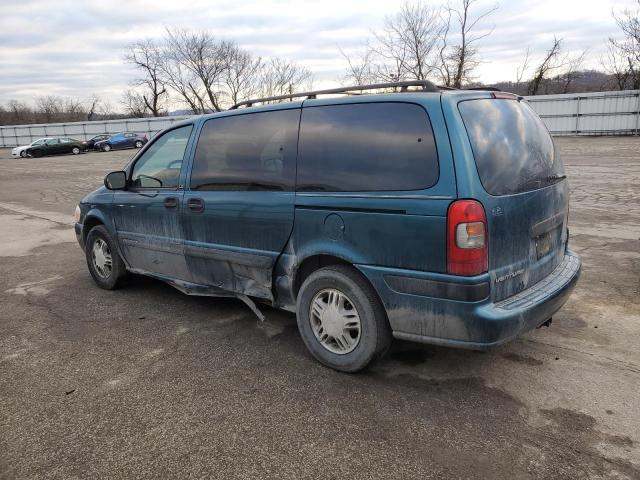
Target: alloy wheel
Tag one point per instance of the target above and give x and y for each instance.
(335, 321)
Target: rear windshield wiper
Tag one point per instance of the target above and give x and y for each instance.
(556, 176)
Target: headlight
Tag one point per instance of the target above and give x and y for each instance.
(76, 214)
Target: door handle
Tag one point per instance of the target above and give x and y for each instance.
(196, 204)
(170, 202)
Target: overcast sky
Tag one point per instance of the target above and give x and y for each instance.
(75, 48)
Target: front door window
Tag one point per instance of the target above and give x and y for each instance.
(159, 166)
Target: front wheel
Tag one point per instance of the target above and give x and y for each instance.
(75, 150)
(341, 319)
(23, 153)
(104, 262)
(138, 144)
(106, 148)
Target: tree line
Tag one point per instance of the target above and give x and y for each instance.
(204, 73)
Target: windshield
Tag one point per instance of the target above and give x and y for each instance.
(512, 148)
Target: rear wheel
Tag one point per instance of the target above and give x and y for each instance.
(104, 262)
(341, 319)
(138, 144)
(106, 147)
(75, 150)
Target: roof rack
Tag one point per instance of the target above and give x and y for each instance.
(425, 85)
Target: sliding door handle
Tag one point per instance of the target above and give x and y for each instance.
(196, 204)
(171, 202)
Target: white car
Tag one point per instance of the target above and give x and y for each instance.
(22, 151)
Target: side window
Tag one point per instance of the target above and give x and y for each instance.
(53, 141)
(366, 147)
(65, 140)
(159, 166)
(255, 151)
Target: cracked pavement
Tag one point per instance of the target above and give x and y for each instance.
(147, 382)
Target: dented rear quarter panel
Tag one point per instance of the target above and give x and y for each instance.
(399, 229)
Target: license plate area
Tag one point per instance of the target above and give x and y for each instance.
(543, 245)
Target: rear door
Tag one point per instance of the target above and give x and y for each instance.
(524, 191)
(240, 201)
(66, 144)
(52, 146)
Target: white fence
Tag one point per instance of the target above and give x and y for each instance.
(598, 113)
(11, 136)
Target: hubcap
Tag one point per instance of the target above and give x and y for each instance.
(335, 321)
(101, 256)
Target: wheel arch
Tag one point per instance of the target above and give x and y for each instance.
(310, 264)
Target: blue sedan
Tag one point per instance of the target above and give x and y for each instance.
(120, 141)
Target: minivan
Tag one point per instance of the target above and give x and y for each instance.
(426, 214)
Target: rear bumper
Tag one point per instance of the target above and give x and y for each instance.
(473, 324)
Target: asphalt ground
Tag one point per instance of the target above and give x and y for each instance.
(147, 382)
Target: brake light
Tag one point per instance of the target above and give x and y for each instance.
(505, 96)
(467, 252)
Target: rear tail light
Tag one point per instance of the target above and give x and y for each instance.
(467, 252)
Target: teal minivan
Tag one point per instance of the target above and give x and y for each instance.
(426, 214)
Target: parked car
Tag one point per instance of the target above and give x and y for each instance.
(22, 151)
(56, 146)
(98, 138)
(121, 140)
(437, 216)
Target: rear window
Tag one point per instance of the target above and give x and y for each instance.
(366, 147)
(513, 150)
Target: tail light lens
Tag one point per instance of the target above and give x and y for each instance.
(467, 252)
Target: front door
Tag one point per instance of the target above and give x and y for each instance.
(148, 214)
(239, 204)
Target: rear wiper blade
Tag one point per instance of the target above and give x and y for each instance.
(556, 176)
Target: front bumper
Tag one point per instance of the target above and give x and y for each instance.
(77, 227)
(474, 324)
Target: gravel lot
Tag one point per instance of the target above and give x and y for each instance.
(147, 382)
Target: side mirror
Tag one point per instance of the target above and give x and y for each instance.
(116, 180)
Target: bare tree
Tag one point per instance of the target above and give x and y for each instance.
(624, 53)
(147, 57)
(207, 58)
(134, 104)
(464, 55)
(548, 64)
(407, 43)
(241, 77)
(280, 77)
(94, 105)
(360, 66)
(522, 69)
(572, 69)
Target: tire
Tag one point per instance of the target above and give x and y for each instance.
(108, 279)
(23, 153)
(138, 144)
(106, 148)
(75, 150)
(361, 302)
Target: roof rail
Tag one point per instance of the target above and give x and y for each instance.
(426, 86)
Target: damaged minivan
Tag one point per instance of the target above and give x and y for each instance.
(392, 210)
